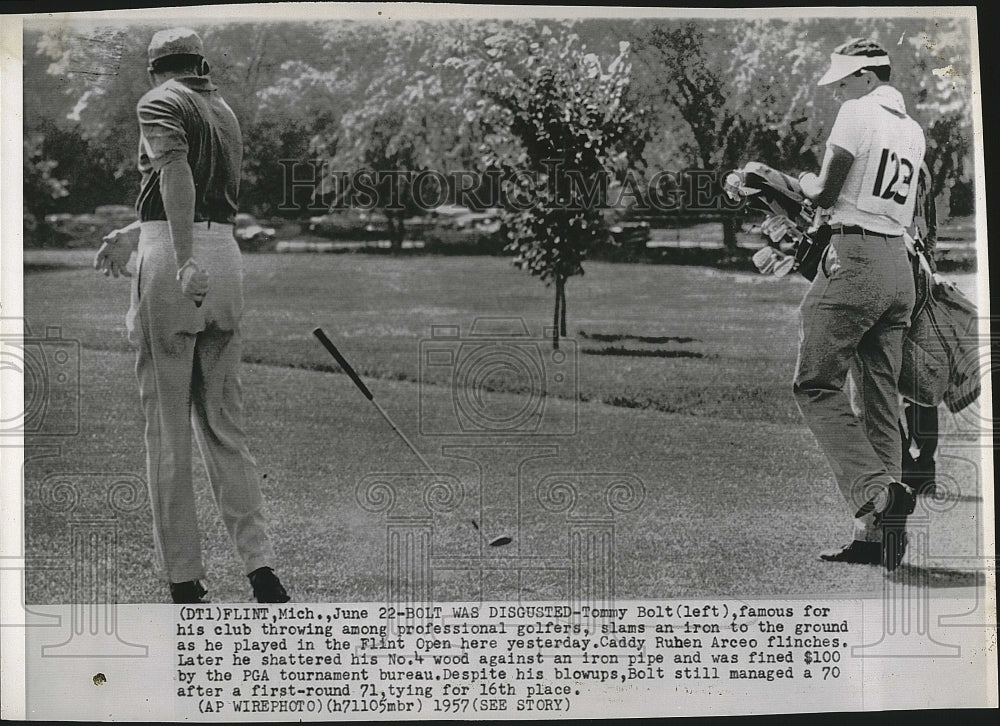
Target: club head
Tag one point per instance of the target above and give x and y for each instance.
(501, 541)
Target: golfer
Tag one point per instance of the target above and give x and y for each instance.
(858, 307)
(187, 300)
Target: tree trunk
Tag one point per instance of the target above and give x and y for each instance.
(558, 314)
(562, 308)
(729, 233)
(396, 230)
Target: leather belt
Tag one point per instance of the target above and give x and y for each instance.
(207, 222)
(854, 229)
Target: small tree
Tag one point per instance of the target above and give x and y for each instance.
(557, 127)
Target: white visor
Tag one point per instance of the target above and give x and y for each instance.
(842, 66)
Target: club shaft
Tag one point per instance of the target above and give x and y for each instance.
(402, 435)
(349, 370)
(342, 361)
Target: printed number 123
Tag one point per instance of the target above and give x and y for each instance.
(890, 191)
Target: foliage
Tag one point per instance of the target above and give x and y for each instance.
(40, 182)
(746, 89)
(739, 88)
(404, 121)
(380, 96)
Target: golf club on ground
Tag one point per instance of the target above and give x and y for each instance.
(337, 356)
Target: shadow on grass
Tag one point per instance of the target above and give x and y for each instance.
(937, 577)
(614, 338)
(941, 497)
(642, 352)
(365, 373)
(37, 267)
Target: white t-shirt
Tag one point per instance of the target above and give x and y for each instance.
(888, 148)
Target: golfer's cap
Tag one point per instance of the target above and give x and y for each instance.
(175, 41)
(851, 57)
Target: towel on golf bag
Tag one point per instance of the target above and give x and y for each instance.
(941, 349)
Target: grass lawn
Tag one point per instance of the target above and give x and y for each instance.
(678, 376)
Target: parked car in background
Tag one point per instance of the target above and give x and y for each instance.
(628, 231)
(351, 224)
(87, 230)
(250, 235)
(630, 235)
(452, 225)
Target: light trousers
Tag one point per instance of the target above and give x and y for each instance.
(856, 314)
(188, 372)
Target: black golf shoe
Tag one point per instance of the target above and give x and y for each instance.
(892, 520)
(188, 593)
(856, 553)
(266, 586)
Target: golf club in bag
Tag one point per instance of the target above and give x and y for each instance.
(770, 191)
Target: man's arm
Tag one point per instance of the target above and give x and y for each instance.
(825, 188)
(177, 191)
(164, 137)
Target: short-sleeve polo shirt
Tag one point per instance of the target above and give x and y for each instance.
(187, 118)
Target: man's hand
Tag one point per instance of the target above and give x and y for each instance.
(114, 254)
(194, 281)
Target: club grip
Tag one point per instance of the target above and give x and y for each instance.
(342, 361)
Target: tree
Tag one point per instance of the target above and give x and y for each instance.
(738, 87)
(943, 98)
(96, 78)
(404, 121)
(557, 129)
(299, 117)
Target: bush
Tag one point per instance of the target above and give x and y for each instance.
(963, 199)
